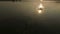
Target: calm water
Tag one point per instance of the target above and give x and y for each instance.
(22, 18)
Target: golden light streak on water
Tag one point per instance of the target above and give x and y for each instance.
(40, 11)
(40, 8)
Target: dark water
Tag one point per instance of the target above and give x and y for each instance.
(22, 18)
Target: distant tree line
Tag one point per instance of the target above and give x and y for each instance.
(10, 0)
(20, 0)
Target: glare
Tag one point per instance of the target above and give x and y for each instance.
(40, 11)
(40, 6)
(41, 0)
